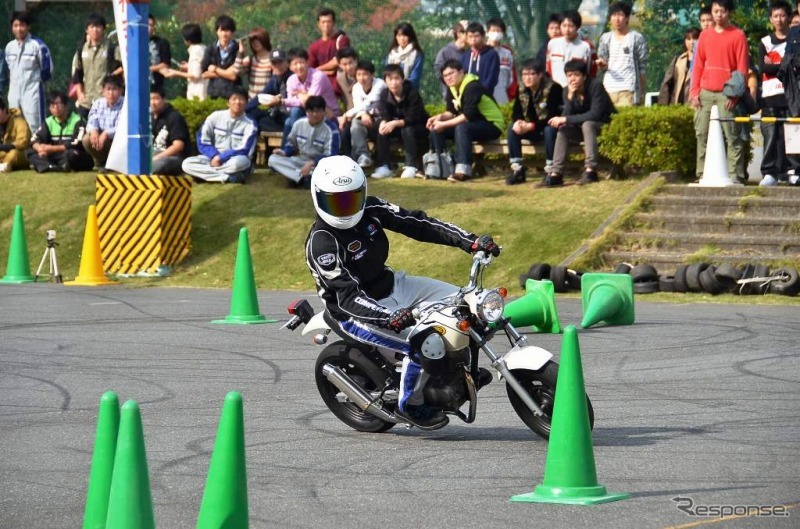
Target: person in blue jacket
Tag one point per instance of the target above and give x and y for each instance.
(481, 59)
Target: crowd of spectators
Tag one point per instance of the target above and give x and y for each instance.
(326, 100)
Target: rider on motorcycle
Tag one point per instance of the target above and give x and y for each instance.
(346, 251)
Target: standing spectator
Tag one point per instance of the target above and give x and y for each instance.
(310, 140)
(303, 83)
(30, 66)
(103, 119)
(568, 46)
(471, 115)
(346, 79)
(322, 52)
(406, 51)
(258, 65)
(795, 19)
(226, 142)
(586, 108)
(553, 31)
(622, 54)
(452, 50)
(539, 100)
(721, 51)
(222, 61)
(3, 73)
(677, 79)
(480, 59)
(366, 94)
(776, 164)
(15, 138)
(705, 18)
(160, 54)
(507, 84)
(401, 114)
(57, 146)
(96, 58)
(192, 70)
(273, 96)
(170, 136)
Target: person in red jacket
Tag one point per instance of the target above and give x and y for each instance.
(721, 51)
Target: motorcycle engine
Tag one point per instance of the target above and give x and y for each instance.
(446, 389)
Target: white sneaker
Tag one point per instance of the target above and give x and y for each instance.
(768, 180)
(409, 172)
(5, 167)
(382, 172)
(364, 161)
(794, 179)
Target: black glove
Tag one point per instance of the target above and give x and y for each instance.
(399, 320)
(486, 244)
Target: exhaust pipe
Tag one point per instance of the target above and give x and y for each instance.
(353, 391)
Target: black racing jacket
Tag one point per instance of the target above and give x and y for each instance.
(349, 265)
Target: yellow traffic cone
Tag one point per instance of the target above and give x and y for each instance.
(91, 272)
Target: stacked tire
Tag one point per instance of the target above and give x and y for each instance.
(564, 279)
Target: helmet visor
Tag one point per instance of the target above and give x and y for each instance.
(342, 203)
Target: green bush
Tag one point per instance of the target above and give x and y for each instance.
(657, 138)
(195, 112)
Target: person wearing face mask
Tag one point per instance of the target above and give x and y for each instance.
(507, 84)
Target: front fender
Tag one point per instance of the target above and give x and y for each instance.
(528, 357)
(316, 324)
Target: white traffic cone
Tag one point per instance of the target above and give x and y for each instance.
(715, 169)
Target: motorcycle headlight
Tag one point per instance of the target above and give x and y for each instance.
(490, 306)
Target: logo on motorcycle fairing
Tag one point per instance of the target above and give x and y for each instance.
(342, 181)
(354, 246)
(326, 259)
(438, 328)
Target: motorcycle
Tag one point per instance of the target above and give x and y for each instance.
(360, 384)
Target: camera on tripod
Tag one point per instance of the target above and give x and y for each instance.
(50, 235)
(50, 252)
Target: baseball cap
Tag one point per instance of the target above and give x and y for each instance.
(277, 55)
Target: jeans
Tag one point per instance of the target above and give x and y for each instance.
(412, 136)
(776, 162)
(295, 113)
(515, 142)
(464, 134)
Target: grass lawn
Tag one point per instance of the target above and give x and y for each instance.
(533, 225)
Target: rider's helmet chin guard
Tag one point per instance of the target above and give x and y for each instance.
(339, 190)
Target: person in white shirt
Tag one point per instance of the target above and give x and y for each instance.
(192, 70)
(366, 93)
(622, 53)
(567, 47)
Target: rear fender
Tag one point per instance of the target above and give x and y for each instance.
(316, 324)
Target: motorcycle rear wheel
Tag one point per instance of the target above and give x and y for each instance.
(541, 386)
(364, 372)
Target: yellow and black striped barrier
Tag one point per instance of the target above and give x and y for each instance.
(144, 221)
(767, 119)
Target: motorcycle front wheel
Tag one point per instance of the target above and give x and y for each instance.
(364, 372)
(541, 386)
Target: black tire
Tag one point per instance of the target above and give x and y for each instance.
(558, 275)
(645, 287)
(762, 286)
(539, 271)
(710, 283)
(574, 279)
(788, 284)
(642, 273)
(680, 279)
(666, 283)
(541, 386)
(728, 271)
(747, 273)
(362, 370)
(622, 268)
(693, 277)
(523, 278)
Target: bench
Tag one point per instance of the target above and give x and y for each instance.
(266, 142)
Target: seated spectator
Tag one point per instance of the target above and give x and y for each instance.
(587, 106)
(16, 138)
(192, 70)
(258, 65)
(677, 80)
(366, 92)
(311, 139)
(406, 51)
(346, 79)
(471, 115)
(481, 59)
(539, 100)
(226, 142)
(401, 114)
(222, 61)
(57, 146)
(103, 118)
(170, 136)
(452, 50)
(507, 83)
(304, 83)
(267, 109)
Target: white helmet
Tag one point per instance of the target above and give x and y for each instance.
(339, 190)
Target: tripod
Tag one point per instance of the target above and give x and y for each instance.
(50, 250)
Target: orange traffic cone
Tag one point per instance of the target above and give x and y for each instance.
(91, 272)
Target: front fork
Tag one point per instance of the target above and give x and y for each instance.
(499, 363)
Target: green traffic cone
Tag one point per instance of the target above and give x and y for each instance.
(19, 266)
(130, 504)
(536, 308)
(570, 475)
(608, 298)
(225, 497)
(244, 303)
(105, 446)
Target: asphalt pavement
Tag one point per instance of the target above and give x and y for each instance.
(692, 401)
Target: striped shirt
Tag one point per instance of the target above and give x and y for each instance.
(259, 72)
(621, 72)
